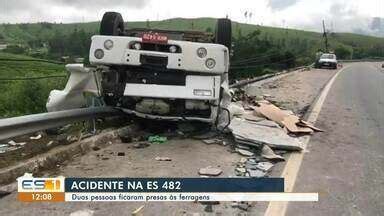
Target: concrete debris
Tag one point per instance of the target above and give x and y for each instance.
(84, 212)
(241, 170)
(264, 166)
(267, 152)
(256, 173)
(257, 134)
(137, 211)
(210, 171)
(243, 160)
(236, 110)
(244, 152)
(245, 147)
(163, 159)
(212, 141)
(39, 136)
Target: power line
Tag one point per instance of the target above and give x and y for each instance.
(260, 65)
(32, 78)
(254, 58)
(32, 60)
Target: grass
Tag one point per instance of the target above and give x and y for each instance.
(26, 96)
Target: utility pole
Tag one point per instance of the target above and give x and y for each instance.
(325, 37)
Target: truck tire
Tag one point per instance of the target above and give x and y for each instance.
(224, 33)
(112, 24)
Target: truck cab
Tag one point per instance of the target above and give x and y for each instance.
(161, 74)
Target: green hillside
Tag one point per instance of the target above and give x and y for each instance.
(41, 32)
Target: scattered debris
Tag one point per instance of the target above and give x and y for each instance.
(137, 211)
(120, 154)
(241, 170)
(245, 152)
(256, 173)
(141, 145)
(257, 134)
(241, 205)
(210, 171)
(39, 136)
(157, 139)
(212, 141)
(243, 160)
(163, 159)
(13, 143)
(84, 212)
(95, 148)
(50, 143)
(264, 166)
(267, 152)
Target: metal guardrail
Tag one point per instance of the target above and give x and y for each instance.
(12, 127)
(266, 76)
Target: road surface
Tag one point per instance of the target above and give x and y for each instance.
(346, 163)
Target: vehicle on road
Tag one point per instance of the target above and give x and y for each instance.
(327, 60)
(160, 74)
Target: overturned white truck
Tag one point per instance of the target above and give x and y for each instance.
(152, 73)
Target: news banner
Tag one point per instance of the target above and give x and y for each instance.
(63, 189)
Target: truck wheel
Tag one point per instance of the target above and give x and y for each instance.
(224, 33)
(112, 24)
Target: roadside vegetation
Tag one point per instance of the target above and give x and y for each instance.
(257, 50)
(21, 94)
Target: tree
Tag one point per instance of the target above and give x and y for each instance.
(343, 52)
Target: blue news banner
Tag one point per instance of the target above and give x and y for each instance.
(171, 189)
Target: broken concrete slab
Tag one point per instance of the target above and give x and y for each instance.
(256, 173)
(268, 153)
(254, 133)
(264, 166)
(245, 152)
(210, 171)
(212, 141)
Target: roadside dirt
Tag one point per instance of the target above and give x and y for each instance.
(294, 91)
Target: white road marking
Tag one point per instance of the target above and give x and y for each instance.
(294, 161)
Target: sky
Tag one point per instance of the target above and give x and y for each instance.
(340, 15)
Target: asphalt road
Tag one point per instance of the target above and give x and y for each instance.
(346, 163)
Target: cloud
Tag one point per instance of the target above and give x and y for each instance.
(46, 10)
(277, 5)
(100, 4)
